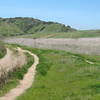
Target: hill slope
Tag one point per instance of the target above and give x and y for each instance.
(20, 25)
(30, 27)
(8, 29)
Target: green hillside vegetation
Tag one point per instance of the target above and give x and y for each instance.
(19, 26)
(69, 34)
(24, 24)
(50, 28)
(8, 29)
(30, 27)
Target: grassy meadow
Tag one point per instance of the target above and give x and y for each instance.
(60, 76)
(64, 76)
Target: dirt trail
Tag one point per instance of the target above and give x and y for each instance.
(12, 61)
(26, 82)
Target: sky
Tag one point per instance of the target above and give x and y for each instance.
(80, 14)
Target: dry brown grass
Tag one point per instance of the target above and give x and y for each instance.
(79, 45)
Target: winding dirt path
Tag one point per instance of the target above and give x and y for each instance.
(11, 61)
(26, 82)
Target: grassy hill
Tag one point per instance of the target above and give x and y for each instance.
(34, 28)
(8, 29)
(50, 28)
(24, 24)
(20, 26)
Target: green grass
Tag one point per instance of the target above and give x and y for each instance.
(9, 29)
(2, 50)
(24, 25)
(12, 79)
(35, 28)
(64, 76)
(72, 34)
(50, 28)
(61, 76)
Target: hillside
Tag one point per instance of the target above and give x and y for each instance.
(35, 28)
(20, 25)
(8, 29)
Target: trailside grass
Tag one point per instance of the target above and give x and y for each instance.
(64, 76)
(2, 50)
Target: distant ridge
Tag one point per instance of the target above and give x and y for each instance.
(25, 25)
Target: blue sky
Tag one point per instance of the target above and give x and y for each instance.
(80, 14)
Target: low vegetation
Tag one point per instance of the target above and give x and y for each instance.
(2, 50)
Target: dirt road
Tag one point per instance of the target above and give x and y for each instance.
(26, 82)
(79, 45)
